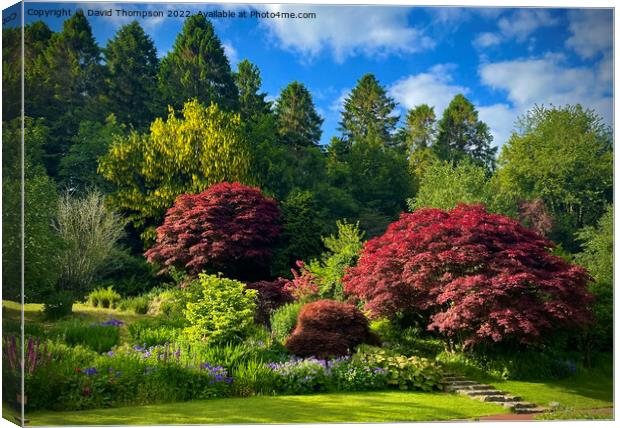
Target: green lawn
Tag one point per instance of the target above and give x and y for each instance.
(392, 406)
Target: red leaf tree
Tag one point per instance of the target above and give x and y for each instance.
(479, 277)
(228, 228)
(328, 328)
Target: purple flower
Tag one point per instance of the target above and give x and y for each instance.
(110, 353)
(228, 380)
(138, 348)
(91, 371)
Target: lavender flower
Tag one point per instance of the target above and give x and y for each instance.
(90, 371)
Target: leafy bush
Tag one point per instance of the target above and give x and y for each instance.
(253, 378)
(225, 313)
(104, 298)
(158, 331)
(271, 296)
(138, 304)
(98, 337)
(402, 372)
(328, 328)
(228, 228)
(481, 277)
(284, 320)
(58, 304)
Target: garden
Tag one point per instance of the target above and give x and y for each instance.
(191, 257)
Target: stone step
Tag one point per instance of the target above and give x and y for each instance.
(530, 411)
(477, 387)
(495, 398)
(463, 383)
(454, 378)
(483, 392)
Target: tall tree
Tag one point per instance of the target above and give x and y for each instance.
(565, 157)
(420, 127)
(197, 67)
(131, 80)
(251, 101)
(70, 70)
(180, 155)
(368, 112)
(299, 124)
(462, 134)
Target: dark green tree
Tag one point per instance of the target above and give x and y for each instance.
(70, 75)
(197, 67)
(368, 112)
(251, 101)
(131, 79)
(11, 73)
(462, 135)
(299, 125)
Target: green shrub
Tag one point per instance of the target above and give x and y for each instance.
(403, 372)
(224, 313)
(155, 331)
(354, 375)
(104, 298)
(58, 304)
(305, 376)
(283, 320)
(99, 338)
(253, 377)
(138, 304)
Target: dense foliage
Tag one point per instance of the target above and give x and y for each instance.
(271, 295)
(224, 313)
(228, 228)
(478, 277)
(328, 328)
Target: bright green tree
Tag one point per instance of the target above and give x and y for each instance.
(224, 314)
(461, 134)
(184, 154)
(299, 125)
(368, 112)
(131, 80)
(598, 257)
(252, 102)
(197, 67)
(565, 157)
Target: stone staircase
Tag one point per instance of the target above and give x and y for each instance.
(488, 393)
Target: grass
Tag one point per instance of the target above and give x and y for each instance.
(392, 406)
(573, 415)
(590, 389)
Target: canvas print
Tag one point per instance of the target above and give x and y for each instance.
(264, 213)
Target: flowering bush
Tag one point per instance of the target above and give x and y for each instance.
(356, 375)
(228, 228)
(304, 285)
(482, 278)
(301, 376)
(328, 328)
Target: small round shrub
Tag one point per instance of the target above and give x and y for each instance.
(58, 304)
(104, 298)
(224, 313)
(271, 296)
(283, 320)
(328, 328)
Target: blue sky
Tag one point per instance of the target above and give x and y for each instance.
(504, 60)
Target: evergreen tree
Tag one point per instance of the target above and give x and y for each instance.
(197, 68)
(461, 134)
(420, 127)
(299, 125)
(70, 76)
(11, 73)
(252, 102)
(131, 80)
(368, 112)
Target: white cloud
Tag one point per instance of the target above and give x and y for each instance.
(500, 118)
(434, 87)
(338, 104)
(346, 31)
(519, 26)
(545, 81)
(592, 31)
(484, 40)
(231, 53)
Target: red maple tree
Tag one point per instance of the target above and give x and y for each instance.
(229, 228)
(479, 277)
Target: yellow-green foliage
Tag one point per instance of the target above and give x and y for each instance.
(180, 155)
(225, 313)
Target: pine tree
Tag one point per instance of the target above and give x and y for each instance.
(461, 134)
(299, 125)
(70, 69)
(197, 68)
(252, 102)
(420, 127)
(368, 112)
(131, 80)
